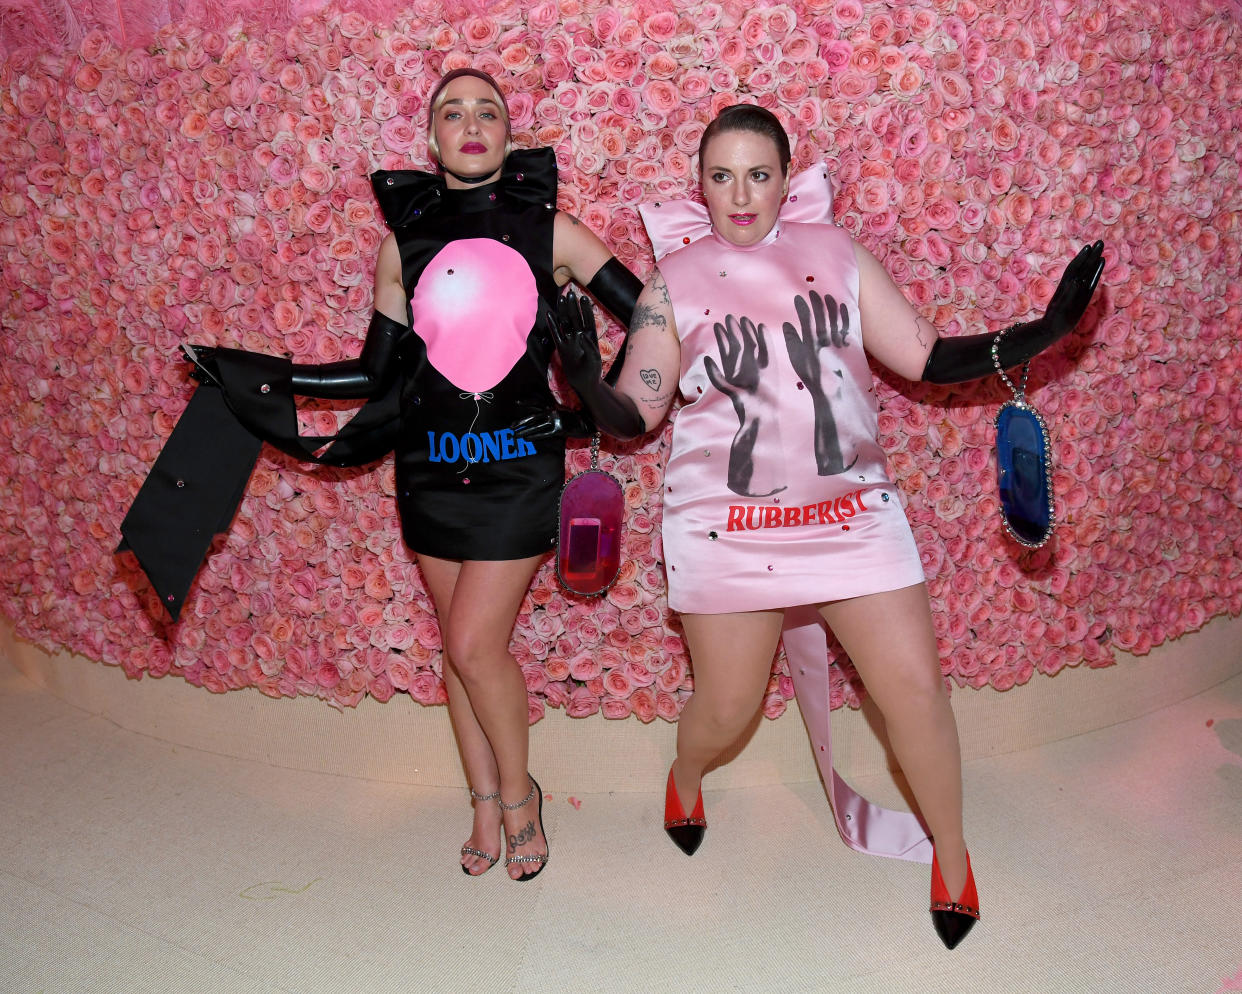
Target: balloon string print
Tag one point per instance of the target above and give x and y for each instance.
(483, 395)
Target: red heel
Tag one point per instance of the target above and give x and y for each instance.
(686, 832)
(953, 919)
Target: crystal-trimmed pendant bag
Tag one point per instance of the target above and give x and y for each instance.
(1023, 463)
(588, 549)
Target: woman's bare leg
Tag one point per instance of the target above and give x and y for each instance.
(477, 604)
(890, 640)
(732, 658)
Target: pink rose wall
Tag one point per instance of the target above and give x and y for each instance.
(207, 180)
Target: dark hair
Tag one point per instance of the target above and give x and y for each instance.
(748, 117)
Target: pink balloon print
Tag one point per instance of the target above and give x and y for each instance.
(474, 306)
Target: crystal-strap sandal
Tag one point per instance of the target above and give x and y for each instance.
(540, 858)
(470, 850)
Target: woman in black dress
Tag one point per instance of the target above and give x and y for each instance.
(472, 254)
(459, 348)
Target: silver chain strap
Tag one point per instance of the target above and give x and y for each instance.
(1019, 392)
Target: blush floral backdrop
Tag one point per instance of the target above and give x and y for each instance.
(192, 174)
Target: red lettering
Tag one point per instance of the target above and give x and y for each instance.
(808, 514)
(771, 517)
(845, 507)
(858, 497)
(825, 512)
(793, 517)
(750, 518)
(735, 518)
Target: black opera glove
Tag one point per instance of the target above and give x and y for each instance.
(617, 289)
(969, 357)
(554, 422)
(573, 330)
(367, 376)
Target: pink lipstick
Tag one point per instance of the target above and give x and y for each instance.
(743, 219)
(473, 148)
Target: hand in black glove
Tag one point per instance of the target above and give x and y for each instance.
(576, 344)
(1073, 293)
(573, 331)
(968, 357)
(202, 360)
(554, 422)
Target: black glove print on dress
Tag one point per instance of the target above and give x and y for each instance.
(811, 356)
(743, 354)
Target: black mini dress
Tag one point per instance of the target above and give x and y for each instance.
(478, 274)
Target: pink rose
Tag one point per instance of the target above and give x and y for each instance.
(605, 23)
(620, 66)
(847, 13)
(616, 708)
(399, 135)
(582, 703)
(661, 96)
(733, 52)
(585, 667)
(426, 688)
(643, 702)
(853, 85)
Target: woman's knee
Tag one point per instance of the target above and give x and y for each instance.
(920, 688)
(728, 713)
(473, 652)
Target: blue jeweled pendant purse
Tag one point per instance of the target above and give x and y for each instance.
(1024, 464)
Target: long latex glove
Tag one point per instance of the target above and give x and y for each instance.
(617, 289)
(573, 330)
(969, 357)
(367, 376)
(554, 422)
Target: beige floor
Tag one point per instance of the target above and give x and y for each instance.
(1107, 861)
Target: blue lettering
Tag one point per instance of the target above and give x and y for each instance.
(491, 446)
(444, 448)
(476, 447)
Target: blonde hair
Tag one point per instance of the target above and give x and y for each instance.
(439, 97)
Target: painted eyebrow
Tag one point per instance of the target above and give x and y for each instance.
(471, 100)
(749, 169)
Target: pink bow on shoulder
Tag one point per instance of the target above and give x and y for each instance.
(675, 224)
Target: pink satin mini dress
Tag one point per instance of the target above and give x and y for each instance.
(777, 492)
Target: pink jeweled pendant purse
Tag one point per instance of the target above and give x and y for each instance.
(588, 549)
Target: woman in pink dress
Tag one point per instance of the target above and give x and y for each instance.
(777, 493)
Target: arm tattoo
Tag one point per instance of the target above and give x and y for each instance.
(658, 285)
(645, 315)
(918, 333)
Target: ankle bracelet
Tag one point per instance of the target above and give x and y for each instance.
(524, 801)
